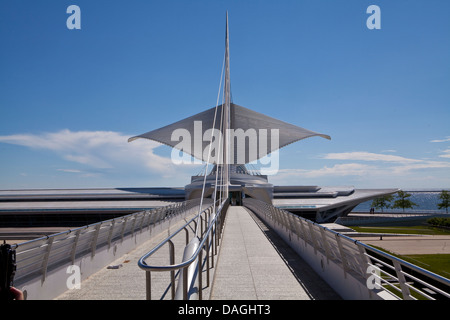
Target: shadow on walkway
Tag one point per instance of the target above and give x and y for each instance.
(313, 284)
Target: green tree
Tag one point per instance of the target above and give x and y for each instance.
(403, 201)
(445, 197)
(382, 202)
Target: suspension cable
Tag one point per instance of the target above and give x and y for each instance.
(217, 165)
(209, 151)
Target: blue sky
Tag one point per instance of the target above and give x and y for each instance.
(70, 99)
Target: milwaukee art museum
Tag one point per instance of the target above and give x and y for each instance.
(228, 137)
(227, 234)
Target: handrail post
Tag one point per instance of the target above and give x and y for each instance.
(313, 236)
(285, 219)
(149, 219)
(343, 257)
(200, 285)
(297, 230)
(363, 259)
(325, 245)
(133, 226)
(148, 285)
(216, 236)
(207, 248)
(211, 248)
(304, 235)
(111, 228)
(74, 247)
(153, 215)
(142, 222)
(123, 228)
(365, 263)
(94, 240)
(185, 283)
(402, 281)
(187, 235)
(201, 225)
(172, 273)
(45, 260)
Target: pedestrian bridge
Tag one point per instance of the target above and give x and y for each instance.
(218, 252)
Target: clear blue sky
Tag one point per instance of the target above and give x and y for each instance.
(70, 99)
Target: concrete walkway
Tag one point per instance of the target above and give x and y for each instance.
(255, 264)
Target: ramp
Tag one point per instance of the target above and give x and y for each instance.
(255, 264)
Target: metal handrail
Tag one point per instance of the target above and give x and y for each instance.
(383, 216)
(104, 222)
(324, 239)
(213, 230)
(405, 293)
(36, 257)
(141, 261)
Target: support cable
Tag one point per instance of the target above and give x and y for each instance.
(209, 151)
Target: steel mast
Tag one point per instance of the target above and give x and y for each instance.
(226, 113)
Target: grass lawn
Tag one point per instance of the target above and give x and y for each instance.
(437, 263)
(421, 229)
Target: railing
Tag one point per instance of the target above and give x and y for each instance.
(36, 258)
(404, 279)
(377, 273)
(190, 270)
(386, 217)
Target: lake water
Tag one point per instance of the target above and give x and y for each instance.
(427, 201)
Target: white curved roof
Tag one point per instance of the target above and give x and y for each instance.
(250, 123)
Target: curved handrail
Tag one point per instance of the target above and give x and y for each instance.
(35, 257)
(143, 265)
(194, 256)
(176, 206)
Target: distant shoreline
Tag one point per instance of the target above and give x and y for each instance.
(419, 212)
(426, 190)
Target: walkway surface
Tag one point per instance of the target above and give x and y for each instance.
(255, 264)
